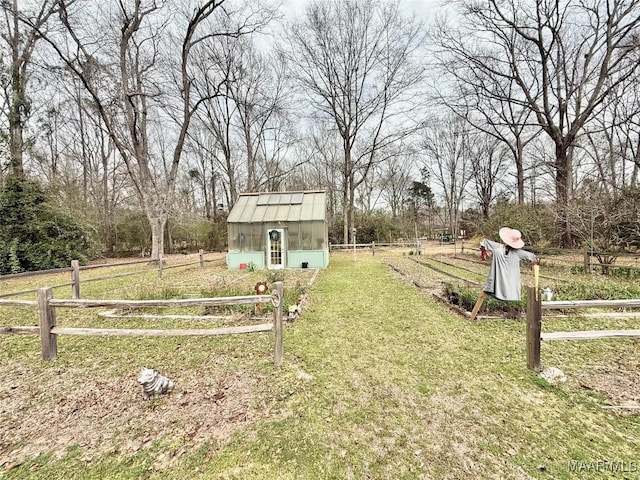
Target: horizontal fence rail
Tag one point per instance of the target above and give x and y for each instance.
(48, 330)
(182, 302)
(534, 323)
(158, 265)
(564, 304)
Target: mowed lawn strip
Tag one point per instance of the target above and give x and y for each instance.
(403, 388)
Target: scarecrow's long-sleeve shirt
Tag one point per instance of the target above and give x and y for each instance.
(503, 281)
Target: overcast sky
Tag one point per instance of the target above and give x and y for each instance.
(422, 8)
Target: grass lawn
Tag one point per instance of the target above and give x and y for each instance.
(379, 381)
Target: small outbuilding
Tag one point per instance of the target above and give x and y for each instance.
(279, 230)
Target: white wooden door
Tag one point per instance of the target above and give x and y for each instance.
(275, 248)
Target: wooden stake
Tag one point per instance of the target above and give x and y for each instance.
(277, 324)
(534, 325)
(47, 316)
(478, 304)
(75, 279)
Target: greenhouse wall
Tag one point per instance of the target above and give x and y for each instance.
(313, 259)
(295, 259)
(236, 260)
(278, 230)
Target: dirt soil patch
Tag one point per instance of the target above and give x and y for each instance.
(48, 412)
(619, 382)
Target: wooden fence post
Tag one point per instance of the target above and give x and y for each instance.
(534, 324)
(587, 261)
(277, 323)
(47, 316)
(75, 279)
(373, 248)
(201, 259)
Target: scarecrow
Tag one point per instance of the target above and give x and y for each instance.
(503, 281)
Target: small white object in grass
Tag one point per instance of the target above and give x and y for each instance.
(553, 375)
(547, 294)
(154, 384)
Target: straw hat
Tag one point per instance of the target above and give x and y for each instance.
(511, 237)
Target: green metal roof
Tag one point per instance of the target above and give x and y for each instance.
(279, 207)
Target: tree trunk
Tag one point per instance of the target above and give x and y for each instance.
(106, 205)
(345, 190)
(251, 167)
(17, 99)
(345, 216)
(15, 123)
(158, 224)
(563, 187)
(520, 170)
(351, 209)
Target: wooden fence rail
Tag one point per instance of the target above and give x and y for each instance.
(534, 323)
(371, 246)
(48, 330)
(75, 270)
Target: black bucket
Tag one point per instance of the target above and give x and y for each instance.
(305, 264)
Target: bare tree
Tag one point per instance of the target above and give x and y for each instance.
(355, 60)
(446, 147)
(21, 32)
(488, 169)
(563, 57)
(507, 122)
(260, 95)
(216, 118)
(395, 181)
(131, 73)
(205, 169)
(611, 142)
(392, 169)
(321, 161)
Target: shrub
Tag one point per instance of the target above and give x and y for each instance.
(274, 276)
(596, 288)
(35, 234)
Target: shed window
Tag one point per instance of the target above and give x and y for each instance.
(234, 237)
(293, 236)
(318, 230)
(257, 239)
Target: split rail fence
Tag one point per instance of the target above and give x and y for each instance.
(372, 246)
(534, 323)
(48, 330)
(75, 269)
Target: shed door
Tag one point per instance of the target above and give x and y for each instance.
(275, 248)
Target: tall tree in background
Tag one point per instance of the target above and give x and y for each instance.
(507, 122)
(260, 95)
(356, 62)
(564, 58)
(488, 167)
(611, 143)
(446, 147)
(248, 116)
(134, 80)
(21, 32)
(395, 179)
(421, 201)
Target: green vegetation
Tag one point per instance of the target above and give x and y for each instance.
(35, 234)
(379, 381)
